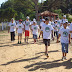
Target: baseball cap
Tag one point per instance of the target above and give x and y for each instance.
(27, 17)
(43, 19)
(55, 20)
(20, 20)
(64, 16)
(34, 21)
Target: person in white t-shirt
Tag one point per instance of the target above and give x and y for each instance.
(63, 20)
(12, 29)
(47, 31)
(52, 23)
(20, 29)
(65, 39)
(71, 33)
(56, 29)
(35, 30)
(27, 25)
(41, 24)
(32, 24)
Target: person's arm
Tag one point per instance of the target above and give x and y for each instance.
(16, 30)
(8, 29)
(69, 38)
(23, 30)
(59, 36)
(70, 31)
(52, 32)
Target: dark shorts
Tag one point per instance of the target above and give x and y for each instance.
(64, 47)
(46, 42)
(34, 36)
(19, 34)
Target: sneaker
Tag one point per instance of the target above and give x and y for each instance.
(47, 55)
(65, 58)
(20, 42)
(62, 58)
(25, 40)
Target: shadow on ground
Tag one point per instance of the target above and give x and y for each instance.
(49, 65)
(22, 60)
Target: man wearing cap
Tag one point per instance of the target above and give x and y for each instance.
(12, 29)
(27, 25)
(41, 24)
(20, 29)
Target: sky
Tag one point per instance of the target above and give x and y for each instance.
(1, 1)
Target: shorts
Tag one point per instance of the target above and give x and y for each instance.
(26, 33)
(34, 36)
(64, 47)
(46, 42)
(19, 34)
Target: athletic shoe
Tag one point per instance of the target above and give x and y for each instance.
(47, 55)
(20, 42)
(62, 58)
(65, 58)
(25, 40)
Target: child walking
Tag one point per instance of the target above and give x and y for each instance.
(20, 29)
(27, 26)
(35, 29)
(56, 26)
(12, 29)
(65, 39)
(47, 30)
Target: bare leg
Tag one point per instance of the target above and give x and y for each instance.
(46, 49)
(18, 38)
(63, 55)
(27, 39)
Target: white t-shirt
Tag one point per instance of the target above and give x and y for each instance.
(35, 29)
(59, 22)
(64, 35)
(12, 27)
(27, 25)
(20, 28)
(56, 26)
(41, 24)
(52, 23)
(47, 31)
(71, 26)
(63, 20)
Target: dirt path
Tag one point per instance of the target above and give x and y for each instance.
(31, 58)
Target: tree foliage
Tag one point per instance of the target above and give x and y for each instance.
(22, 8)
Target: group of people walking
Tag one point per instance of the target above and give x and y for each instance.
(47, 28)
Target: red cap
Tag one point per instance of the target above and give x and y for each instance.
(20, 20)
